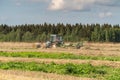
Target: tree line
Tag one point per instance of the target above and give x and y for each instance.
(70, 32)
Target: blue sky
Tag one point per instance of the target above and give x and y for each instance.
(15, 12)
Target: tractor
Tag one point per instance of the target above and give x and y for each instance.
(55, 41)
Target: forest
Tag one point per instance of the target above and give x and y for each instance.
(70, 32)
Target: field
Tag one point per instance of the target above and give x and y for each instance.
(94, 61)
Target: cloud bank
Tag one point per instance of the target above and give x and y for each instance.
(77, 4)
(74, 4)
(70, 4)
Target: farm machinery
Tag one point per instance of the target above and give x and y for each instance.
(57, 41)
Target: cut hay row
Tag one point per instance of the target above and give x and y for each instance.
(96, 49)
(31, 75)
(115, 64)
(88, 52)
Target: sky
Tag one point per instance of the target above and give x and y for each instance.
(17, 12)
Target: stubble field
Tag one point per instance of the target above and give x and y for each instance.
(94, 61)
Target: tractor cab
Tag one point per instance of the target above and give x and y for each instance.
(56, 38)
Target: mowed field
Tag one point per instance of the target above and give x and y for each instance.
(94, 61)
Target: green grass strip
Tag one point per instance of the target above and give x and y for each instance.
(84, 70)
(58, 56)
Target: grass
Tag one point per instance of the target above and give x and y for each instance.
(58, 56)
(84, 70)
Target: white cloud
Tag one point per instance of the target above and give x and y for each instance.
(57, 4)
(105, 14)
(75, 4)
(69, 4)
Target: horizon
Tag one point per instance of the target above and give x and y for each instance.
(61, 23)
